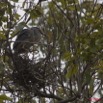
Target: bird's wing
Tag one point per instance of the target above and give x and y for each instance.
(21, 38)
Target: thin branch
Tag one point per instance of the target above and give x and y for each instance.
(63, 13)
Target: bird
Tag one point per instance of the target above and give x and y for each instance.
(26, 38)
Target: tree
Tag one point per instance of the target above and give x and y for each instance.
(66, 66)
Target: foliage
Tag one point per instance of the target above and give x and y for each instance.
(67, 66)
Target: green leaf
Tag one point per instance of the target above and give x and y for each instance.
(66, 56)
(72, 7)
(4, 97)
(90, 20)
(1, 66)
(4, 19)
(72, 72)
(91, 86)
(34, 13)
(16, 16)
(2, 36)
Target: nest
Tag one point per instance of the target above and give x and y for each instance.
(31, 76)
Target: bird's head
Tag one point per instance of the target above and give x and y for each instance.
(36, 31)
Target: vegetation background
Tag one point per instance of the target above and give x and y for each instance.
(68, 62)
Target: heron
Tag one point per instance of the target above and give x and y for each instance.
(26, 38)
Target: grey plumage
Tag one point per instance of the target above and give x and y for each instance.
(26, 38)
